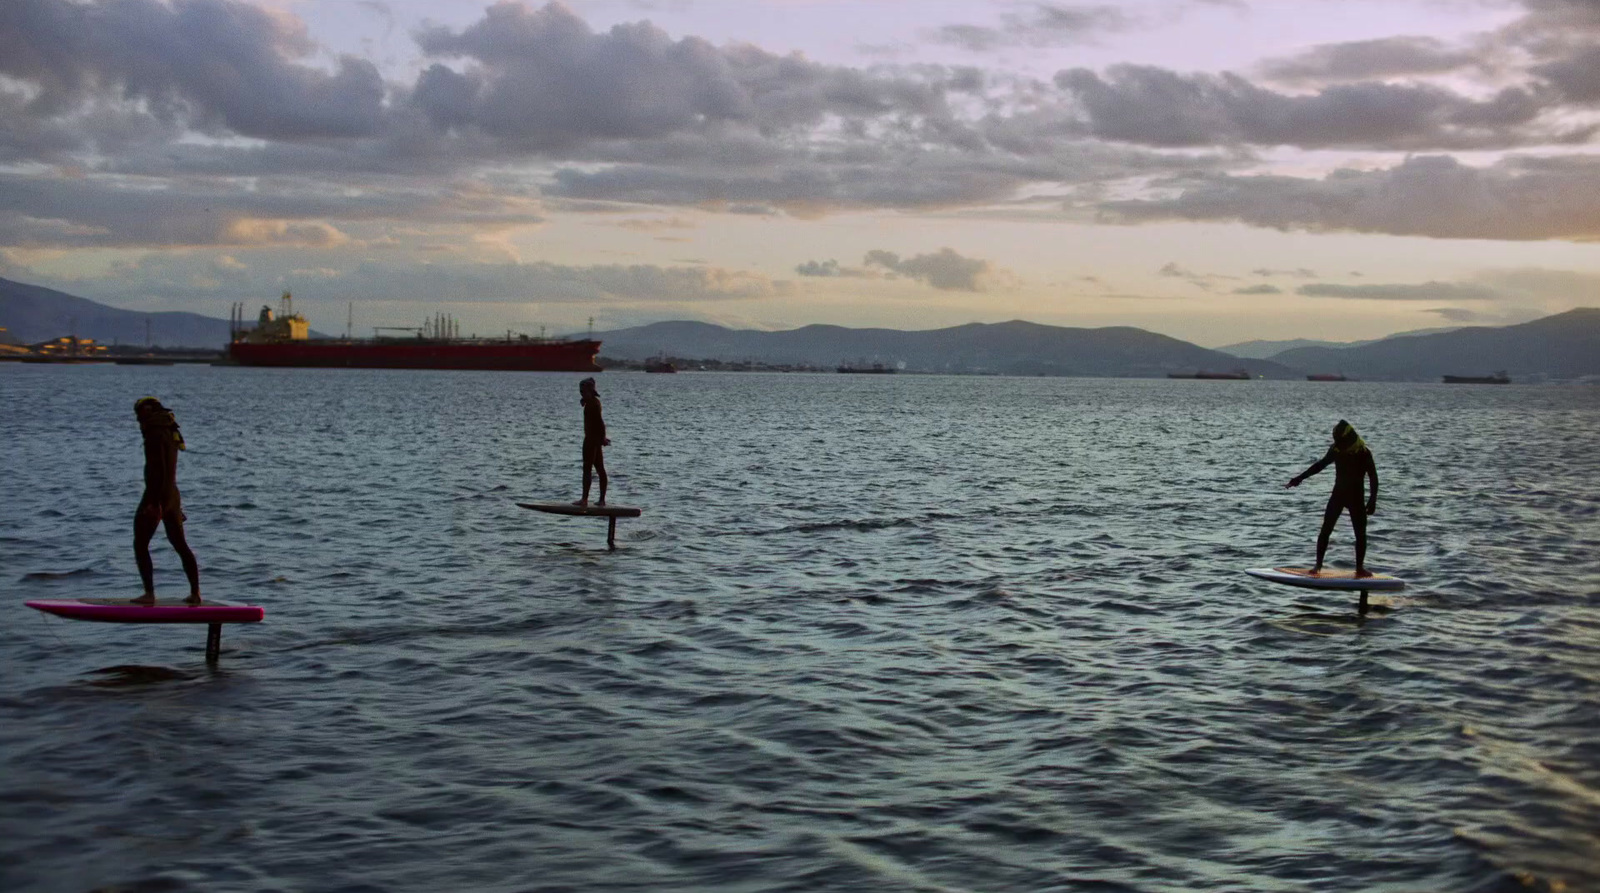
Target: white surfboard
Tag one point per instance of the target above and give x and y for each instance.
(595, 511)
(1327, 578)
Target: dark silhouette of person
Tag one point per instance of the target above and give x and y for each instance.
(1352, 463)
(161, 505)
(594, 441)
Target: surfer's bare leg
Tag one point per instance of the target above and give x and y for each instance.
(191, 567)
(588, 478)
(145, 523)
(600, 471)
(1358, 522)
(1330, 517)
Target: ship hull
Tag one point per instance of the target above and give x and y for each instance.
(512, 356)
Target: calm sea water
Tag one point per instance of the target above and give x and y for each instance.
(872, 633)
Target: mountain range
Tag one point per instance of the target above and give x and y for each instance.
(1266, 350)
(34, 313)
(1564, 346)
(1007, 348)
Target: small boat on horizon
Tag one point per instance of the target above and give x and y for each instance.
(1497, 378)
(1235, 375)
(1327, 376)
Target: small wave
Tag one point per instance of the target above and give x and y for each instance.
(124, 675)
(58, 575)
(861, 525)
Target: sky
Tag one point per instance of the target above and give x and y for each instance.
(1214, 170)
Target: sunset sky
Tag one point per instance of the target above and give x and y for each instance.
(1215, 170)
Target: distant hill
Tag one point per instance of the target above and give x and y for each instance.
(1269, 350)
(1009, 348)
(1563, 346)
(34, 313)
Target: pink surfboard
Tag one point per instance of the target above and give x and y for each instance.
(166, 610)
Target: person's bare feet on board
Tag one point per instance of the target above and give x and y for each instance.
(149, 598)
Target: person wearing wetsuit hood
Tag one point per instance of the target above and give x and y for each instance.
(1352, 464)
(161, 504)
(594, 438)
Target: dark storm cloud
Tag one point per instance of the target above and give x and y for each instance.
(1363, 59)
(1044, 24)
(944, 269)
(1153, 106)
(1438, 196)
(1424, 291)
(211, 62)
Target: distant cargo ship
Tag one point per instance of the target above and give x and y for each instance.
(284, 340)
(1497, 378)
(863, 369)
(1236, 375)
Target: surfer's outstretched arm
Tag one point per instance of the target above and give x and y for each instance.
(1316, 466)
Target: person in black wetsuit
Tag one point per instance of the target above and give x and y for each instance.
(161, 505)
(594, 439)
(1352, 463)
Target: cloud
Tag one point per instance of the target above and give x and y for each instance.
(1153, 106)
(1297, 273)
(212, 62)
(1454, 314)
(200, 280)
(1437, 196)
(1505, 317)
(1576, 76)
(830, 268)
(944, 269)
(1542, 284)
(1044, 25)
(654, 224)
(128, 212)
(1262, 289)
(1360, 60)
(1425, 291)
(283, 232)
(542, 79)
(1203, 281)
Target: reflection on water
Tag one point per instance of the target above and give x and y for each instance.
(879, 633)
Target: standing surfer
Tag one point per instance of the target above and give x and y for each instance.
(1352, 463)
(161, 505)
(594, 441)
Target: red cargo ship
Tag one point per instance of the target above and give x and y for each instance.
(284, 340)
